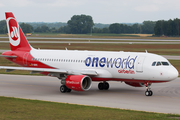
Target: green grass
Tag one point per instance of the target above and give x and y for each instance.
(16, 109)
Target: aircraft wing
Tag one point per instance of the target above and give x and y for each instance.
(52, 72)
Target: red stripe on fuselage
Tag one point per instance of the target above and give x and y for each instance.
(126, 80)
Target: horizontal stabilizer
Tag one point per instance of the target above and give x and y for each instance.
(8, 56)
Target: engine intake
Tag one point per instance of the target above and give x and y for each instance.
(78, 82)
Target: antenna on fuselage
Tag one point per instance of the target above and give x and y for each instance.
(146, 51)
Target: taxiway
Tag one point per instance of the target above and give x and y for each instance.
(166, 97)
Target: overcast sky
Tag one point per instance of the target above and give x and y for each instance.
(102, 11)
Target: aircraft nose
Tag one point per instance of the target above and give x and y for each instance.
(173, 73)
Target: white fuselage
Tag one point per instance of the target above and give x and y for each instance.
(113, 65)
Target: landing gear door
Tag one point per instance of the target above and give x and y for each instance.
(139, 64)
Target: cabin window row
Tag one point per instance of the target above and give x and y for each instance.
(58, 60)
(71, 60)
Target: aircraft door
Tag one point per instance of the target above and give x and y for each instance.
(139, 65)
(25, 57)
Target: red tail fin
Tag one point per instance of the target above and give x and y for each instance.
(16, 37)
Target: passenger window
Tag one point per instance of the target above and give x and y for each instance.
(165, 63)
(154, 63)
(158, 64)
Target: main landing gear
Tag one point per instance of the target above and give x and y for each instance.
(148, 90)
(64, 89)
(103, 86)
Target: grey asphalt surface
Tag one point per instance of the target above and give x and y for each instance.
(166, 97)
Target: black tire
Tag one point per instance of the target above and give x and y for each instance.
(100, 86)
(147, 93)
(68, 90)
(63, 88)
(150, 93)
(106, 86)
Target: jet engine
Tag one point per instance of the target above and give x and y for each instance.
(134, 84)
(78, 82)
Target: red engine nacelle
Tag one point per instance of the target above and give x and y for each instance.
(78, 82)
(134, 84)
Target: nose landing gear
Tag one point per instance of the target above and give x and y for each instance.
(148, 89)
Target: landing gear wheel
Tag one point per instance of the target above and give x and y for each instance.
(100, 86)
(103, 86)
(149, 93)
(106, 86)
(63, 88)
(68, 90)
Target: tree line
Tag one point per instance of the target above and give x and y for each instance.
(167, 28)
(83, 24)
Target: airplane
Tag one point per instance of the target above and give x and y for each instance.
(77, 69)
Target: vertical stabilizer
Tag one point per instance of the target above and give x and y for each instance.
(17, 38)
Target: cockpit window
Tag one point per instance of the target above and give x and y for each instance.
(154, 63)
(158, 64)
(165, 63)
